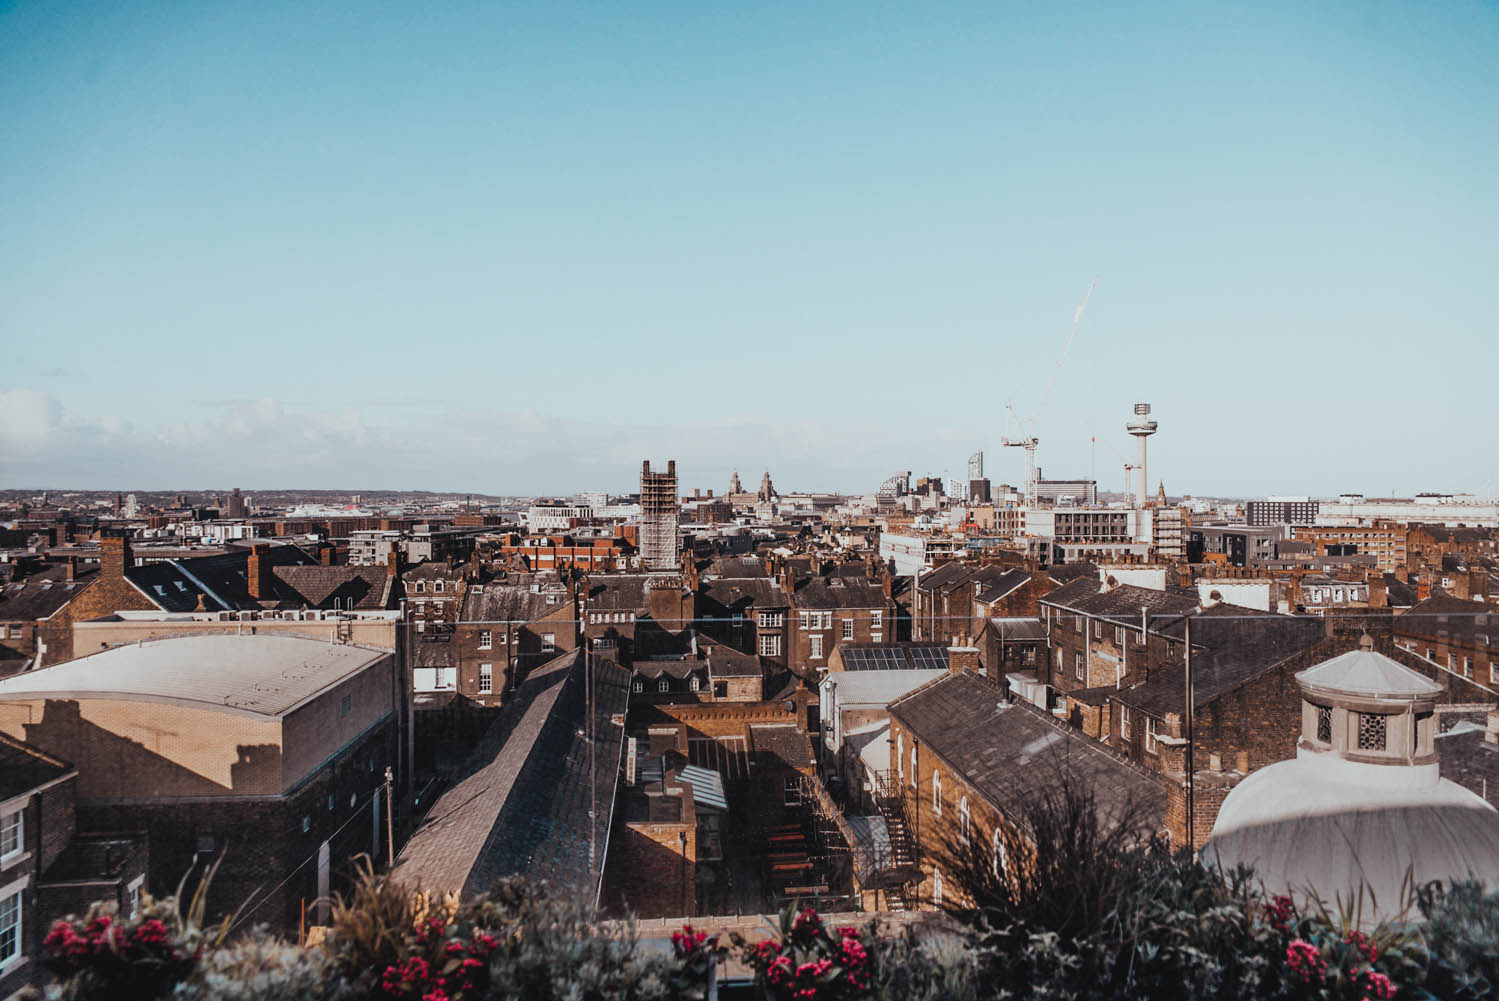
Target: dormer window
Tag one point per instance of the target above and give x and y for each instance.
(421, 587)
(437, 587)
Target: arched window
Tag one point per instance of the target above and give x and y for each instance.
(900, 755)
(421, 587)
(963, 819)
(437, 587)
(937, 887)
(1001, 862)
(936, 792)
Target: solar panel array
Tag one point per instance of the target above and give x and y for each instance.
(929, 658)
(894, 658)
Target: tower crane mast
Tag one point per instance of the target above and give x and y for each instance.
(1028, 440)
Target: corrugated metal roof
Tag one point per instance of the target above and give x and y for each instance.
(258, 675)
(707, 786)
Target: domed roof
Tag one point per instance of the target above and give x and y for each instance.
(1332, 826)
(1369, 674)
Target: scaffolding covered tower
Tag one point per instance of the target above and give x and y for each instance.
(659, 535)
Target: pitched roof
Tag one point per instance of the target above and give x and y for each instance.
(835, 592)
(513, 601)
(41, 594)
(244, 674)
(1122, 603)
(537, 794)
(744, 594)
(735, 567)
(223, 581)
(726, 662)
(1231, 646)
(1015, 628)
(1010, 751)
(360, 588)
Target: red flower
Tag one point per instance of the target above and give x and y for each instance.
(1281, 911)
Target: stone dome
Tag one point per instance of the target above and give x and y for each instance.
(1362, 805)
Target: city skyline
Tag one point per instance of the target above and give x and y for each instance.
(513, 251)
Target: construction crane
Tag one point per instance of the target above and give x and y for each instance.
(1027, 439)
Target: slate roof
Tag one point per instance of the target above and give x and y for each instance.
(1009, 752)
(174, 585)
(780, 745)
(735, 568)
(1442, 611)
(726, 662)
(743, 594)
(41, 594)
(1017, 628)
(359, 588)
(1398, 593)
(995, 586)
(837, 592)
(1122, 603)
(512, 601)
(24, 768)
(523, 799)
(1231, 646)
(1064, 573)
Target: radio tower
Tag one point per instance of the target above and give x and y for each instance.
(1142, 427)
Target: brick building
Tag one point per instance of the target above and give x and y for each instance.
(1455, 635)
(29, 601)
(1384, 540)
(255, 749)
(630, 616)
(963, 766)
(842, 605)
(506, 627)
(1105, 636)
(1425, 545)
(751, 613)
(597, 554)
(36, 824)
(956, 597)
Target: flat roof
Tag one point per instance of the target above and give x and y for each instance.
(254, 675)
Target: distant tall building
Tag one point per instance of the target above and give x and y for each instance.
(236, 507)
(767, 489)
(734, 485)
(659, 535)
(1281, 511)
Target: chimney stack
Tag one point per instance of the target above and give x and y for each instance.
(72, 568)
(114, 553)
(258, 572)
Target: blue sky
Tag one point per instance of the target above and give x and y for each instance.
(517, 249)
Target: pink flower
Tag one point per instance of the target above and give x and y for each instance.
(1306, 961)
(1382, 986)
